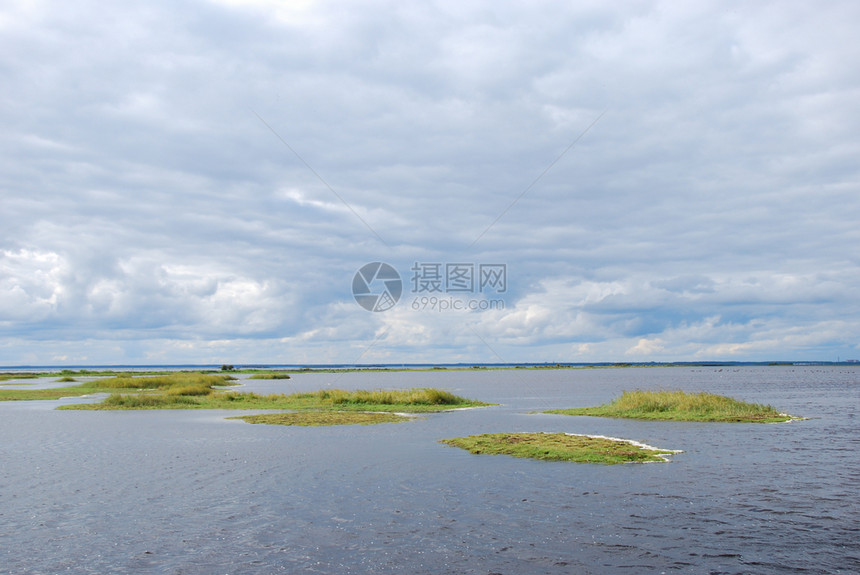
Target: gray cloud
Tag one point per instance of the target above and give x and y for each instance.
(150, 216)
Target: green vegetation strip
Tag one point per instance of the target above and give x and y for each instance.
(190, 390)
(176, 384)
(561, 447)
(319, 418)
(270, 376)
(410, 401)
(8, 376)
(681, 406)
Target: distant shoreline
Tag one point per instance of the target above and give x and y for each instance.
(310, 368)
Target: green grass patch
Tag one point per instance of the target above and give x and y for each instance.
(53, 393)
(270, 376)
(681, 406)
(560, 447)
(408, 400)
(405, 400)
(8, 376)
(177, 383)
(113, 372)
(144, 401)
(127, 381)
(321, 418)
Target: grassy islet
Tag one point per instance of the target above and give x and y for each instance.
(176, 384)
(200, 391)
(321, 418)
(681, 406)
(560, 447)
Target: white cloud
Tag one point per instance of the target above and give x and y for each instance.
(710, 212)
(33, 283)
(647, 347)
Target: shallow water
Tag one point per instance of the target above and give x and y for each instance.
(191, 492)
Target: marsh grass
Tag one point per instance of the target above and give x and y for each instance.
(321, 418)
(53, 393)
(404, 400)
(191, 389)
(164, 381)
(193, 397)
(420, 396)
(178, 383)
(146, 401)
(8, 376)
(111, 373)
(681, 406)
(559, 447)
(270, 376)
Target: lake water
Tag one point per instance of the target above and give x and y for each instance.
(191, 492)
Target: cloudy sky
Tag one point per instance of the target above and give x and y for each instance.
(198, 182)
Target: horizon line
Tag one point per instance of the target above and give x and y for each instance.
(389, 365)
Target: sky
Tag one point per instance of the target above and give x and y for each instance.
(200, 182)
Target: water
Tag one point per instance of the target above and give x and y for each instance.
(191, 492)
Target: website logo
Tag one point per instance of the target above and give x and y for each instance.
(435, 286)
(377, 287)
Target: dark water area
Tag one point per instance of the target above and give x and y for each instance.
(192, 492)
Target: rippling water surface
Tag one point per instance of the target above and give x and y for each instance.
(191, 492)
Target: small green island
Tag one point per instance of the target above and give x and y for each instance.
(195, 390)
(562, 447)
(681, 406)
(321, 418)
(270, 376)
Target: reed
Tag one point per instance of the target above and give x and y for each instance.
(163, 381)
(404, 400)
(190, 389)
(146, 401)
(560, 447)
(178, 383)
(36, 394)
(8, 376)
(681, 406)
(321, 418)
(419, 396)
